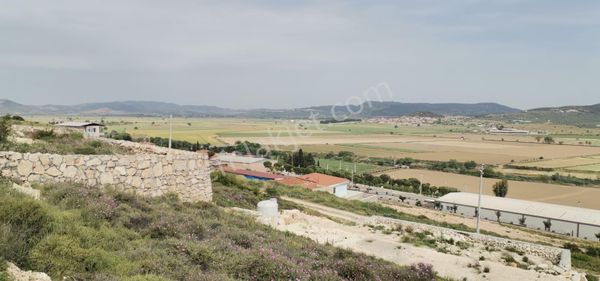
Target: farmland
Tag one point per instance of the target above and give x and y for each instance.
(429, 148)
(430, 142)
(542, 192)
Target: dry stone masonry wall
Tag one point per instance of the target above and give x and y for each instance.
(152, 171)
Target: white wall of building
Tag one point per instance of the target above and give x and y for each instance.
(587, 232)
(340, 190)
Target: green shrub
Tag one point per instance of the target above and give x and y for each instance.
(3, 274)
(23, 223)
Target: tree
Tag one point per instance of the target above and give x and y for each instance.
(4, 128)
(498, 215)
(547, 225)
(522, 221)
(385, 178)
(268, 165)
(538, 138)
(501, 188)
(598, 235)
(469, 165)
(548, 140)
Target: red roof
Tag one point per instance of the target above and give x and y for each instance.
(324, 180)
(255, 174)
(294, 181)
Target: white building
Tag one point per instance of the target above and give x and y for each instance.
(88, 129)
(572, 221)
(507, 131)
(331, 184)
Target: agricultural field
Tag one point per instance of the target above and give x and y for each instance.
(578, 174)
(431, 142)
(542, 192)
(338, 165)
(590, 168)
(429, 148)
(576, 165)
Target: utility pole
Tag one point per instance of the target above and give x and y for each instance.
(170, 129)
(480, 191)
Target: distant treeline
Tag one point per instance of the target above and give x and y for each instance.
(331, 121)
(304, 163)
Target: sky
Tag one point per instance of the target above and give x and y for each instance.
(287, 54)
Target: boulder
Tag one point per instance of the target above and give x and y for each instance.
(17, 274)
(53, 171)
(24, 168)
(106, 178)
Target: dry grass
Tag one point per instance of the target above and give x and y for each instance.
(542, 192)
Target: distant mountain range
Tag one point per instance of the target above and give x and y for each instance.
(148, 108)
(578, 115)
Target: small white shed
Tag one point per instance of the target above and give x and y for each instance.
(88, 129)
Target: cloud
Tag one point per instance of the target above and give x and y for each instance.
(288, 54)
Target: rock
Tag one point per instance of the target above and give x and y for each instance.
(121, 171)
(179, 165)
(70, 172)
(106, 178)
(24, 168)
(147, 173)
(157, 170)
(34, 193)
(57, 160)
(53, 171)
(136, 182)
(558, 269)
(17, 274)
(93, 162)
(38, 168)
(45, 160)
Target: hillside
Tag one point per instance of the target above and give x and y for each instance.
(80, 233)
(149, 108)
(582, 116)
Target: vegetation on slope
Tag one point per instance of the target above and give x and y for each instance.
(88, 234)
(48, 141)
(587, 258)
(268, 190)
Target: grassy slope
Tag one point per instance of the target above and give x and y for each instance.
(73, 143)
(91, 235)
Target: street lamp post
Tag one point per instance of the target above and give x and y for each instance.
(480, 191)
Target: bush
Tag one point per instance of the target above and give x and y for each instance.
(43, 134)
(23, 223)
(4, 129)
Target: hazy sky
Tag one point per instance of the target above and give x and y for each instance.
(279, 53)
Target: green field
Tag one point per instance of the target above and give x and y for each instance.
(590, 168)
(337, 165)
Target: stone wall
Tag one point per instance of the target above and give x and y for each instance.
(152, 171)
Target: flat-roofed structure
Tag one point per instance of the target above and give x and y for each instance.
(88, 129)
(240, 162)
(572, 221)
